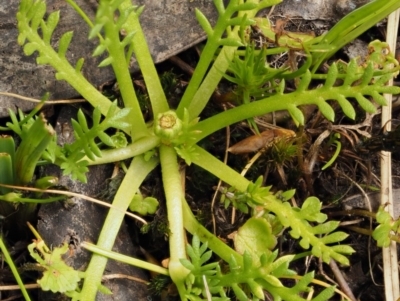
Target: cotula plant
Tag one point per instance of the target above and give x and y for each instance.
(18, 165)
(175, 132)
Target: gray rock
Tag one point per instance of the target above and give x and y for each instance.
(330, 10)
(170, 27)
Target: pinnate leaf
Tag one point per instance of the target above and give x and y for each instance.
(76, 167)
(255, 237)
(58, 276)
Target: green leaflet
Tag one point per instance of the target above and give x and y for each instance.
(255, 237)
(387, 226)
(143, 206)
(58, 276)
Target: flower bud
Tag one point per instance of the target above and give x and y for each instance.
(168, 126)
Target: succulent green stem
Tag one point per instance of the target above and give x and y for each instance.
(216, 167)
(280, 102)
(140, 48)
(125, 259)
(214, 243)
(137, 172)
(174, 195)
(136, 148)
(203, 82)
(202, 95)
(121, 69)
(13, 197)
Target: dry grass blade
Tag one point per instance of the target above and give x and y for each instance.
(49, 102)
(390, 265)
(78, 195)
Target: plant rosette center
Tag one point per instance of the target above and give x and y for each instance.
(168, 126)
(167, 121)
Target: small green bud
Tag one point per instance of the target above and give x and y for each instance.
(168, 126)
(46, 182)
(119, 140)
(12, 197)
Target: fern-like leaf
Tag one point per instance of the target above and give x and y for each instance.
(35, 36)
(87, 140)
(247, 280)
(297, 219)
(76, 167)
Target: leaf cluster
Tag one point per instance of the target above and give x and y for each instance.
(357, 81)
(251, 74)
(70, 157)
(180, 135)
(36, 136)
(85, 144)
(299, 220)
(387, 227)
(58, 276)
(20, 123)
(248, 280)
(143, 205)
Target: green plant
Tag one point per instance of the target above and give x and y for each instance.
(175, 134)
(247, 276)
(7, 258)
(387, 228)
(18, 165)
